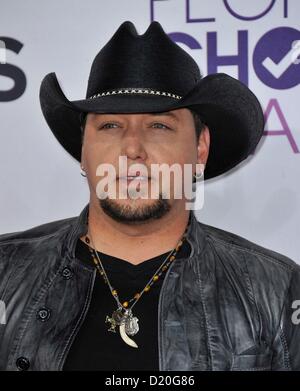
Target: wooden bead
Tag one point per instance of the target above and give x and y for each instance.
(155, 278)
(125, 304)
(147, 288)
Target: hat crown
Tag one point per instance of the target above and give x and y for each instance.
(151, 60)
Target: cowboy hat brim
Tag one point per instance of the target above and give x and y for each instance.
(227, 106)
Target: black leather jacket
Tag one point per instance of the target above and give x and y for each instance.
(229, 306)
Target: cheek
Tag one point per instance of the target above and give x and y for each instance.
(96, 153)
(182, 156)
(178, 153)
(186, 158)
(94, 157)
(184, 149)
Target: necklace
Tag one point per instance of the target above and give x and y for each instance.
(123, 316)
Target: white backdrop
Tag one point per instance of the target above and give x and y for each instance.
(252, 41)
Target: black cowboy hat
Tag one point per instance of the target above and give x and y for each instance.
(150, 73)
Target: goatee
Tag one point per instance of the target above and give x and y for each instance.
(129, 215)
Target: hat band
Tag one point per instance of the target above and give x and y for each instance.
(125, 91)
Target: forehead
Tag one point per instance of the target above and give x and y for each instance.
(177, 115)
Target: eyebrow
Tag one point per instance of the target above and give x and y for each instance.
(167, 113)
(159, 113)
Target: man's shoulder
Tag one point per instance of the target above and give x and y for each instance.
(247, 248)
(41, 231)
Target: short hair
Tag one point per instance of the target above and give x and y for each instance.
(199, 123)
(198, 120)
(82, 119)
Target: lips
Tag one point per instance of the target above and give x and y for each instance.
(137, 176)
(131, 177)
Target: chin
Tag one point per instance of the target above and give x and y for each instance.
(135, 211)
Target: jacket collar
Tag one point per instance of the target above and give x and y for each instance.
(195, 236)
(78, 228)
(195, 233)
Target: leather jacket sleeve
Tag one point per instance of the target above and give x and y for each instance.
(287, 339)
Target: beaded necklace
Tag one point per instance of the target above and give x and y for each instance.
(123, 316)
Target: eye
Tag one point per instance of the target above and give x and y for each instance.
(160, 125)
(108, 125)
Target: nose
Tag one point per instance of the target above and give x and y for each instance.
(133, 143)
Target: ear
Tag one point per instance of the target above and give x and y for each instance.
(203, 145)
(82, 157)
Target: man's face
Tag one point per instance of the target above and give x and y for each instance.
(146, 138)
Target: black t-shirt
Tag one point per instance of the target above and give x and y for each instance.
(96, 348)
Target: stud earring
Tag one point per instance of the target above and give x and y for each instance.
(198, 176)
(200, 168)
(82, 172)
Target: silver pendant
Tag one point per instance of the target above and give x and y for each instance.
(131, 325)
(115, 320)
(128, 325)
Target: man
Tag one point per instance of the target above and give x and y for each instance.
(139, 283)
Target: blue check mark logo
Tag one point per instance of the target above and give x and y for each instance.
(278, 69)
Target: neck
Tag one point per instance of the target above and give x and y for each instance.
(136, 243)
